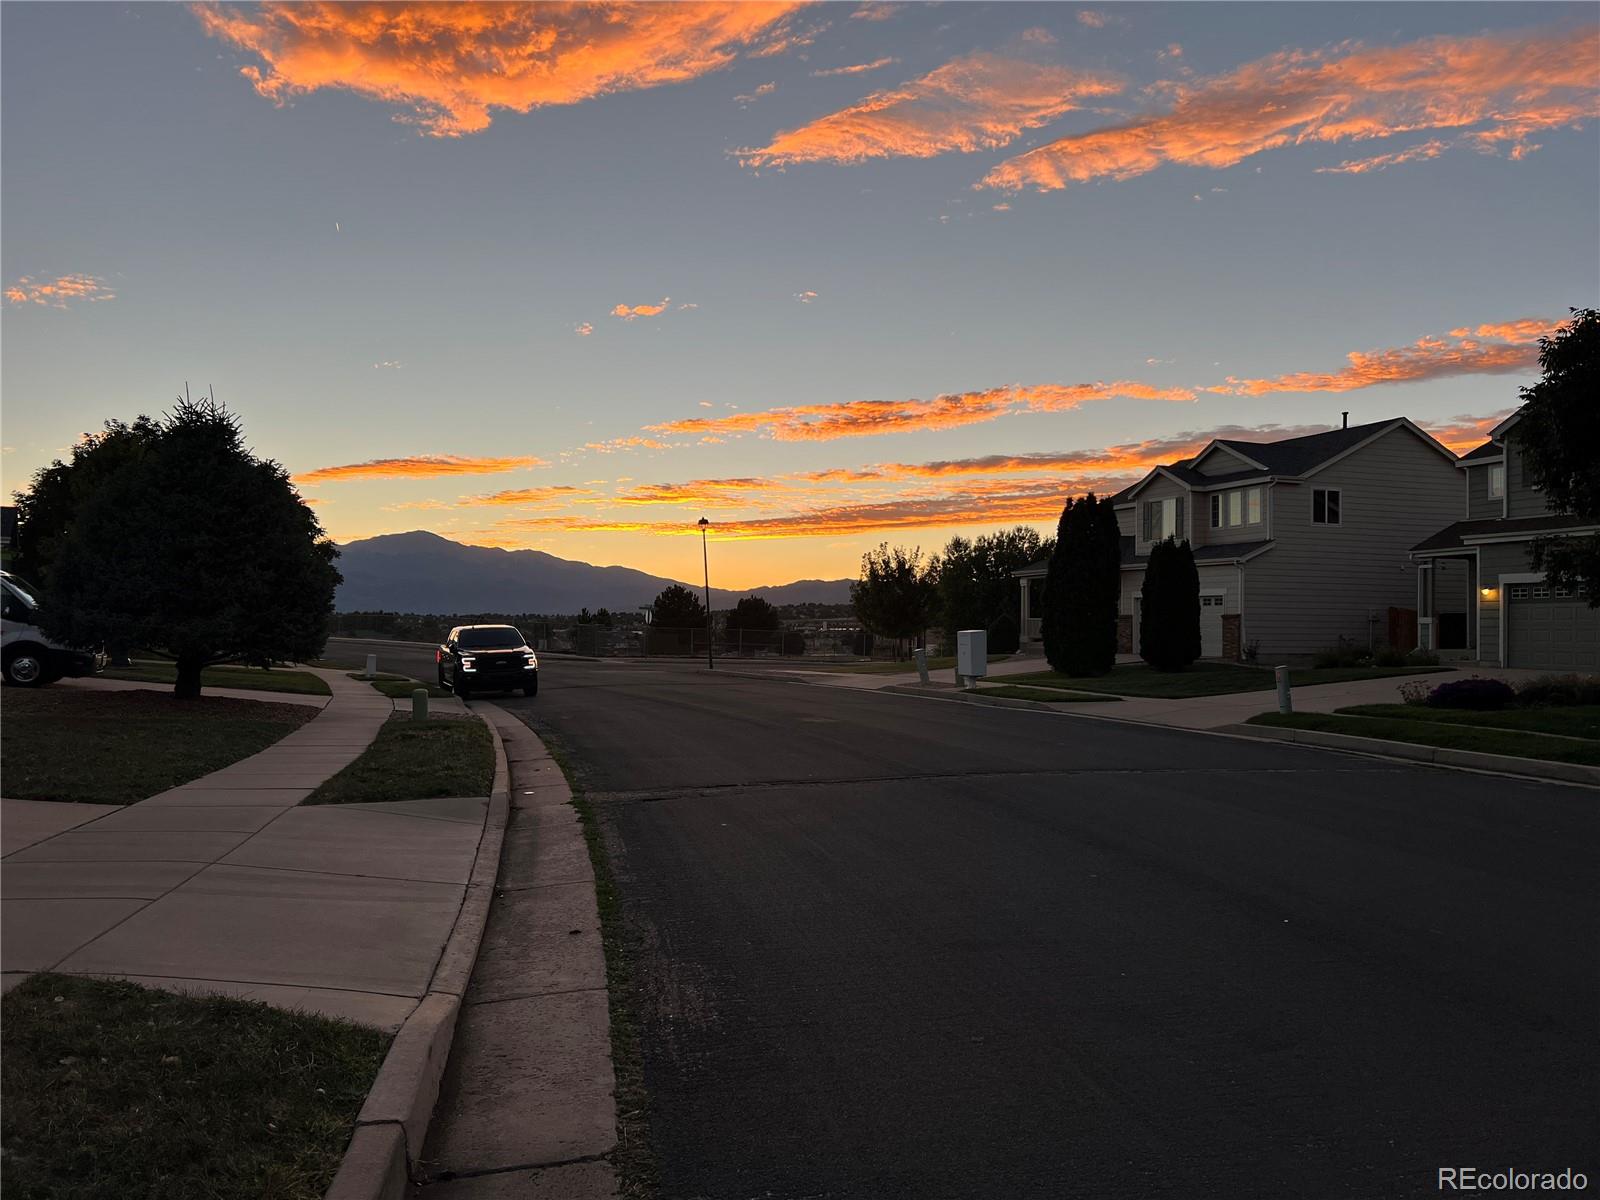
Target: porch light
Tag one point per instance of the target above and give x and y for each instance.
(1486, 592)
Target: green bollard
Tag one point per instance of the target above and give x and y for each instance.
(419, 704)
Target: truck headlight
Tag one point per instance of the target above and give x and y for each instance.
(530, 659)
(467, 665)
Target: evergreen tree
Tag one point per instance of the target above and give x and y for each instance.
(1080, 626)
(1169, 617)
(1054, 623)
(196, 548)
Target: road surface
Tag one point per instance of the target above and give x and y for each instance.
(899, 947)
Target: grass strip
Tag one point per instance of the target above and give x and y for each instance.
(399, 687)
(897, 667)
(119, 747)
(250, 679)
(1049, 695)
(1207, 679)
(416, 760)
(114, 1090)
(1578, 721)
(1517, 743)
(637, 1176)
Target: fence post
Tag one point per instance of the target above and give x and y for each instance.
(419, 704)
(1285, 704)
(372, 665)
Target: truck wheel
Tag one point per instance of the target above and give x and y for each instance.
(532, 689)
(25, 667)
(462, 691)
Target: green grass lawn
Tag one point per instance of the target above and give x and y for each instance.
(416, 760)
(118, 747)
(1051, 695)
(945, 662)
(115, 1090)
(1206, 679)
(253, 679)
(1519, 743)
(1578, 721)
(399, 686)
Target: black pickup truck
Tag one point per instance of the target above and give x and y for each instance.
(487, 658)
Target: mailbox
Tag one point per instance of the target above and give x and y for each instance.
(972, 653)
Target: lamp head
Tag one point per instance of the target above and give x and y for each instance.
(703, 522)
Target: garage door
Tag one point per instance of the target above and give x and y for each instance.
(1211, 626)
(1549, 628)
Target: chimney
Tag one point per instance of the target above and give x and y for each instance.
(1346, 415)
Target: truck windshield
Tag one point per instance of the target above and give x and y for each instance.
(491, 637)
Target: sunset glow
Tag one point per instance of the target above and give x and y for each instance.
(572, 276)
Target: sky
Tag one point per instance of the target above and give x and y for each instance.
(571, 277)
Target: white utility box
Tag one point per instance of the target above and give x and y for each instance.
(972, 653)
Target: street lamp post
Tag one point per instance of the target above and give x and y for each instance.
(705, 561)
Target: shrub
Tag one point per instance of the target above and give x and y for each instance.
(861, 643)
(793, 643)
(1343, 653)
(1553, 690)
(1169, 615)
(1422, 658)
(1004, 637)
(1415, 692)
(1252, 650)
(1389, 656)
(1473, 693)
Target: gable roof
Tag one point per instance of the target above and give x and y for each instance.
(1490, 449)
(1291, 457)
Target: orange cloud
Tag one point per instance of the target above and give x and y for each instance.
(422, 466)
(863, 418)
(448, 65)
(855, 68)
(1361, 166)
(626, 443)
(530, 497)
(1509, 85)
(642, 310)
(759, 492)
(1465, 432)
(974, 103)
(1426, 358)
(583, 329)
(59, 293)
(1092, 19)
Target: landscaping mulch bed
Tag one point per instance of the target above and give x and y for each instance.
(66, 743)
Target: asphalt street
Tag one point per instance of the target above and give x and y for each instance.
(900, 947)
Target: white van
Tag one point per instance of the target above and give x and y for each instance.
(28, 657)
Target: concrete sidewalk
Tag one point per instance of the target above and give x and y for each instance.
(225, 885)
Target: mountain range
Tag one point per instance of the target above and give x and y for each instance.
(421, 572)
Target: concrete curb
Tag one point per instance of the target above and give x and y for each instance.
(1500, 764)
(392, 1126)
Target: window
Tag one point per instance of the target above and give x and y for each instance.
(1163, 518)
(1325, 506)
(1497, 481)
(1235, 508)
(1216, 510)
(1518, 591)
(1252, 500)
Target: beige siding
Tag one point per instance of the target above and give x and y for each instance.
(1480, 504)
(1127, 521)
(1318, 583)
(1222, 461)
(1524, 501)
(1207, 536)
(1219, 578)
(1161, 489)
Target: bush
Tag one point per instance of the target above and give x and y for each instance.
(1422, 658)
(1415, 692)
(1559, 690)
(1473, 693)
(1343, 653)
(861, 643)
(1004, 637)
(1169, 615)
(793, 643)
(1389, 656)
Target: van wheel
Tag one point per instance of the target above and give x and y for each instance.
(24, 667)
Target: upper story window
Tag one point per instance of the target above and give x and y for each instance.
(1325, 506)
(1497, 481)
(1241, 506)
(1163, 518)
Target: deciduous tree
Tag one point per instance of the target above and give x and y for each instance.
(1558, 433)
(895, 595)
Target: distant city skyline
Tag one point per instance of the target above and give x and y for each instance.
(571, 277)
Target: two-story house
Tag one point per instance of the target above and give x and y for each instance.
(1478, 598)
(1298, 542)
